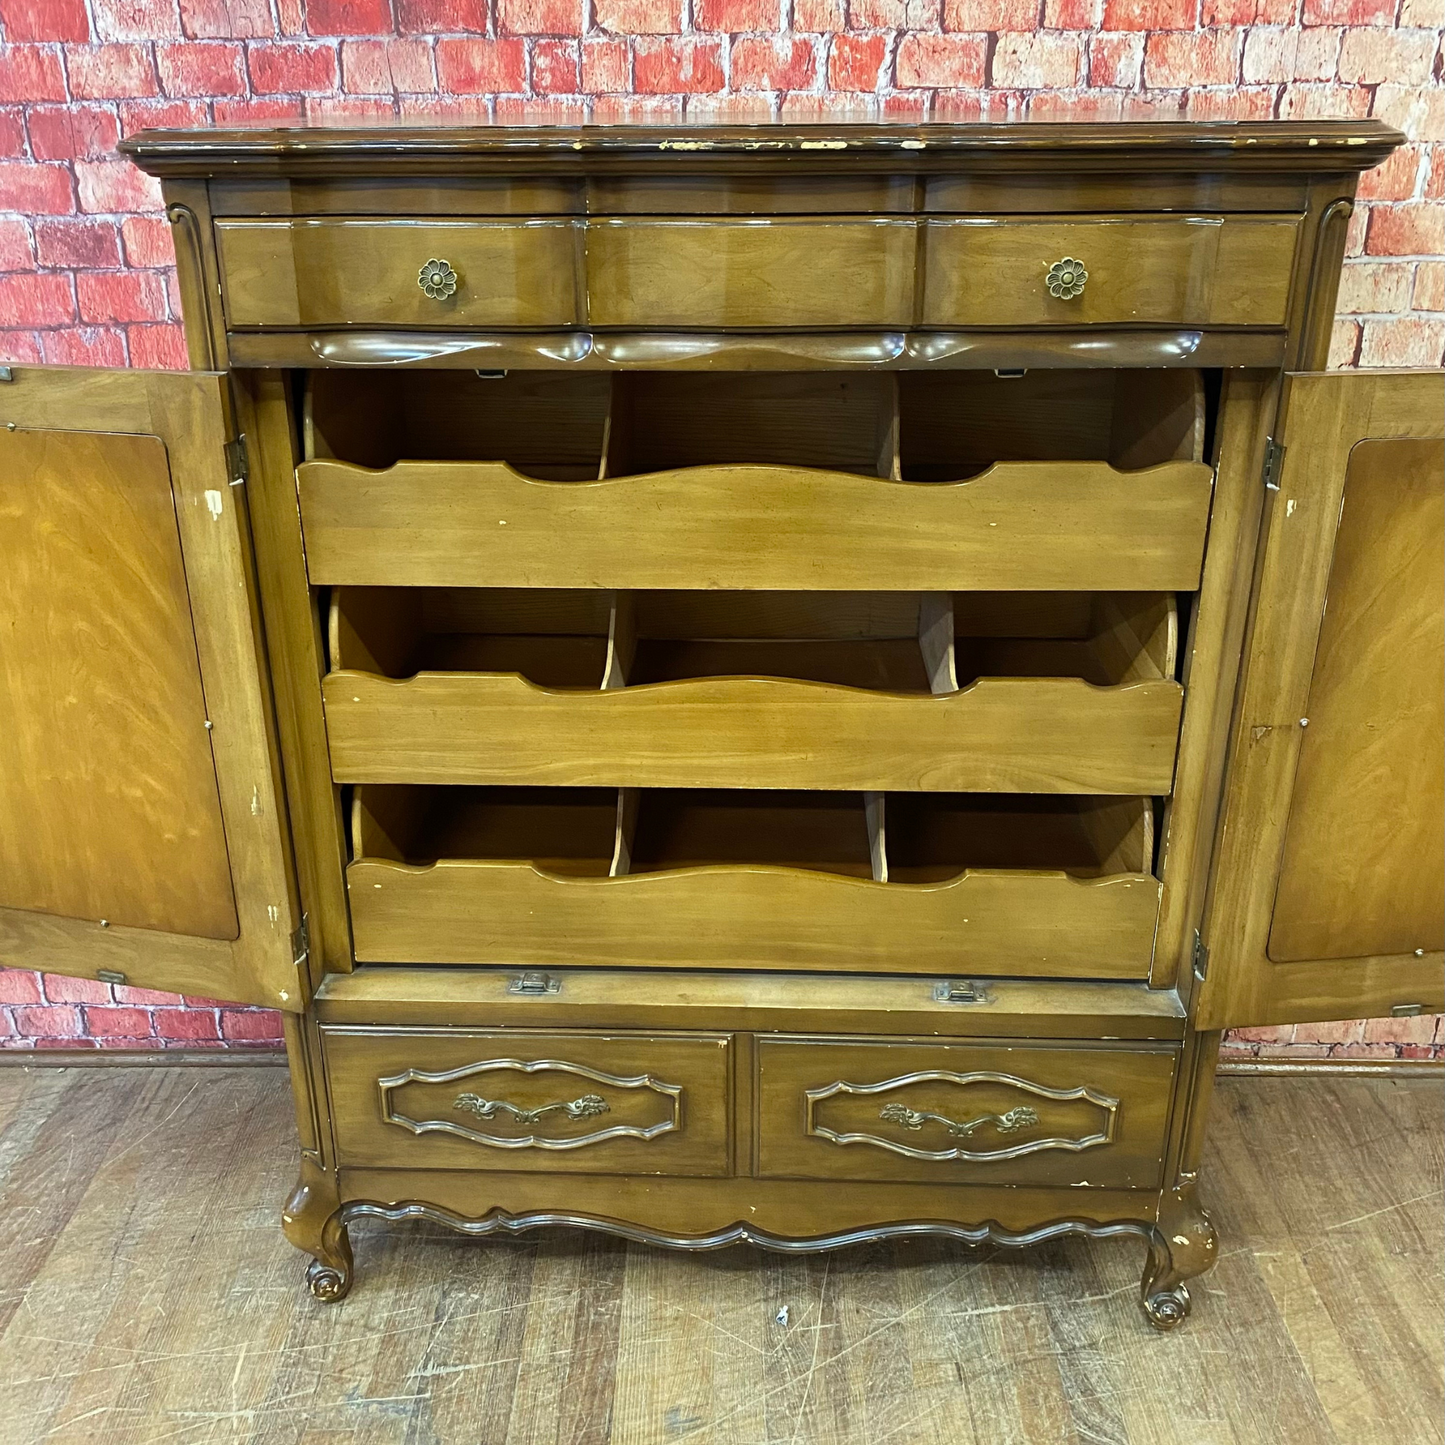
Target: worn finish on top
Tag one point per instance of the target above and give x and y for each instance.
(1181, 146)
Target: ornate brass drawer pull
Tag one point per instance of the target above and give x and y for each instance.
(438, 279)
(1066, 279)
(1071, 1130)
(405, 1102)
(586, 1107)
(1009, 1123)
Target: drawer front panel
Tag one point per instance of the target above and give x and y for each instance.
(1030, 923)
(524, 1100)
(1026, 525)
(344, 272)
(757, 273)
(1190, 270)
(1014, 734)
(926, 1112)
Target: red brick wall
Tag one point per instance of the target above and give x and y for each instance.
(86, 261)
(46, 1011)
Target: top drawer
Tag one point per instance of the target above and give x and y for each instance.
(762, 273)
(1108, 270)
(756, 273)
(334, 271)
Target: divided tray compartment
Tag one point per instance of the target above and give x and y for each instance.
(1046, 886)
(958, 424)
(544, 424)
(671, 420)
(1076, 481)
(1033, 692)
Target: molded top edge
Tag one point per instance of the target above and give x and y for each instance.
(1111, 146)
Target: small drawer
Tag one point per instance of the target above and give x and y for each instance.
(762, 273)
(339, 271)
(588, 1103)
(924, 1112)
(1108, 270)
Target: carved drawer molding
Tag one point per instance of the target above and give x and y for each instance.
(488, 1104)
(965, 1122)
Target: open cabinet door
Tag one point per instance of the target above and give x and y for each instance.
(140, 834)
(1328, 894)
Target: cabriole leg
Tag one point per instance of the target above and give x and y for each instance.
(313, 1223)
(1183, 1246)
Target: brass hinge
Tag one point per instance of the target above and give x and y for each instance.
(1273, 464)
(301, 942)
(961, 991)
(238, 461)
(1201, 957)
(534, 984)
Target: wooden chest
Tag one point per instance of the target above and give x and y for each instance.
(778, 684)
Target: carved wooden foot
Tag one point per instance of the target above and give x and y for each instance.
(312, 1222)
(330, 1280)
(1183, 1246)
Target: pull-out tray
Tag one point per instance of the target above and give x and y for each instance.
(1046, 525)
(570, 689)
(1030, 886)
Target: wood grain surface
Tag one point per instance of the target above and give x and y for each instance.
(1198, 269)
(1037, 525)
(1364, 851)
(776, 273)
(108, 799)
(320, 272)
(1001, 734)
(148, 1296)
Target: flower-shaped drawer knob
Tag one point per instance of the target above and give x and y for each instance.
(1066, 279)
(438, 279)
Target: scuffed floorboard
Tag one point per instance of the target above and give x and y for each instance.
(148, 1298)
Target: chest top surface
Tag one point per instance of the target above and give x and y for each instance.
(1284, 146)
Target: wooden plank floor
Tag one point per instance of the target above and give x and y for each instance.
(146, 1295)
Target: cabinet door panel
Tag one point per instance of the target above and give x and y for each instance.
(139, 830)
(1328, 899)
(100, 669)
(1363, 870)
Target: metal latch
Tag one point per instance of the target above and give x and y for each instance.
(110, 975)
(1407, 1010)
(961, 991)
(534, 984)
(238, 461)
(1201, 957)
(1273, 463)
(301, 942)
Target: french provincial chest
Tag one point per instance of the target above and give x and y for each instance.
(776, 684)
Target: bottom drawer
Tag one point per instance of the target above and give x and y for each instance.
(903, 1110)
(529, 1100)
